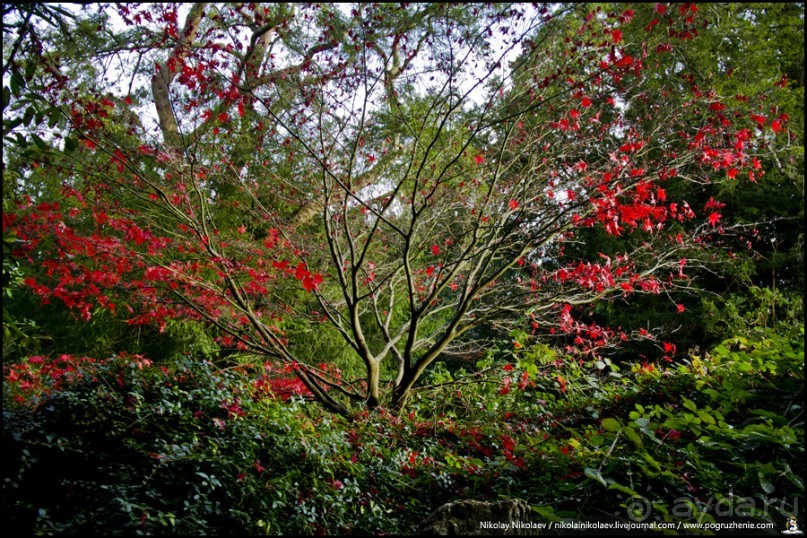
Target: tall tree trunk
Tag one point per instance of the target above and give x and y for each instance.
(161, 82)
(373, 377)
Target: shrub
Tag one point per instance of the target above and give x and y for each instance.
(122, 446)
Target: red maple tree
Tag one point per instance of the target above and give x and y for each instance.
(402, 174)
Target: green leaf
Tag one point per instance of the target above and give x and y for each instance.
(624, 489)
(53, 117)
(795, 479)
(30, 69)
(611, 424)
(767, 485)
(706, 417)
(649, 459)
(70, 145)
(633, 436)
(15, 84)
(661, 508)
(12, 124)
(647, 471)
(39, 142)
(712, 393)
(6, 96)
(596, 475)
(547, 512)
(721, 350)
(28, 116)
(642, 422)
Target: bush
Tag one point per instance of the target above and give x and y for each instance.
(122, 446)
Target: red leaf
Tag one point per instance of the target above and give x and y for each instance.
(714, 218)
(506, 387)
(301, 271)
(626, 61)
(479, 158)
(119, 159)
(435, 250)
(312, 282)
(513, 204)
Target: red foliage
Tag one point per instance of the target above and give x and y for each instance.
(36, 377)
(150, 230)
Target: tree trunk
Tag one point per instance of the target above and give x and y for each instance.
(402, 392)
(161, 82)
(373, 378)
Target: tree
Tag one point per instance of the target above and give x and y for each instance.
(753, 55)
(406, 176)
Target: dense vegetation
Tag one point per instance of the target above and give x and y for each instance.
(128, 446)
(334, 283)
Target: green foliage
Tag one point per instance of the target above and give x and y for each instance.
(758, 307)
(146, 450)
(34, 328)
(18, 331)
(122, 446)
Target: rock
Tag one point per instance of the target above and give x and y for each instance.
(512, 517)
